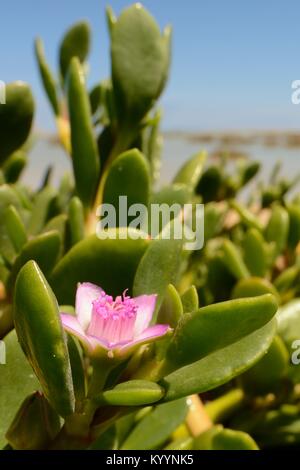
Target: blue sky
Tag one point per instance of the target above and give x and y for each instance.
(233, 61)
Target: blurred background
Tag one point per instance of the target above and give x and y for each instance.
(231, 75)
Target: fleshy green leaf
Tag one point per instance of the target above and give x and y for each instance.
(154, 429)
(44, 249)
(76, 220)
(85, 158)
(133, 393)
(15, 118)
(158, 268)
(47, 78)
(128, 176)
(195, 335)
(255, 255)
(191, 171)
(14, 166)
(190, 300)
(267, 374)
(16, 382)
(41, 335)
(139, 55)
(219, 367)
(76, 43)
(109, 263)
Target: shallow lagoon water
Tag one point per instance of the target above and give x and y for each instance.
(175, 153)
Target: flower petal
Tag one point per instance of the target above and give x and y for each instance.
(147, 336)
(72, 325)
(96, 342)
(146, 307)
(86, 293)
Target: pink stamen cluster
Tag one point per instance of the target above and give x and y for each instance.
(113, 319)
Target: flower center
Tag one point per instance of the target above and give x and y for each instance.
(113, 319)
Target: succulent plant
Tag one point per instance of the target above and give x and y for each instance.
(87, 370)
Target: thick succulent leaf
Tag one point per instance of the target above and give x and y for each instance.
(174, 194)
(228, 439)
(76, 43)
(17, 380)
(252, 287)
(219, 367)
(195, 336)
(49, 83)
(15, 118)
(277, 229)
(267, 374)
(133, 393)
(294, 225)
(14, 166)
(109, 263)
(171, 308)
(247, 217)
(44, 249)
(40, 212)
(158, 268)
(191, 171)
(139, 61)
(76, 220)
(85, 158)
(255, 255)
(41, 335)
(129, 177)
(190, 300)
(15, 228)
(233, 260)
(35, 425)
(154, 429)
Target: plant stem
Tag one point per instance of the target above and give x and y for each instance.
(222, 408)
(197, 419)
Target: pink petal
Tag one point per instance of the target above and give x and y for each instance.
(146, 307)
(96, 342)
(86, 293)
(147, 336)
(72, 325)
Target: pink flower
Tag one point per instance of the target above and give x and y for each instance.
(116, 325)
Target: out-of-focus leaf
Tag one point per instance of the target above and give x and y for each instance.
(49, 83)
(266, 375)
(14, 166)
(76, 43)
(255, 255)
(15, 118)
(191, 171)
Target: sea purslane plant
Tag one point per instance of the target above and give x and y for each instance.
(177, 349)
